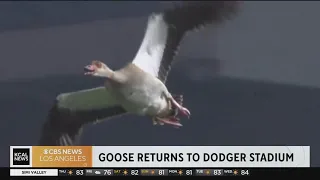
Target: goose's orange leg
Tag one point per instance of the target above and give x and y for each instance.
(170, 121)
(180, 108)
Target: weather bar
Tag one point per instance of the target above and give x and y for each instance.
(126, 172)
(162, 171)
(149, 172)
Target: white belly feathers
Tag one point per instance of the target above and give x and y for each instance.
(144, 96)
(144, 101)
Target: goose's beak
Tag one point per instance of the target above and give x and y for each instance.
(89, 69)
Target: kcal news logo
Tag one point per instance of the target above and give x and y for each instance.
(21, 156)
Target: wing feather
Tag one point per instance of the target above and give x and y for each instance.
(71, 111)
(150, 53)
(86, 99)
(166, 30)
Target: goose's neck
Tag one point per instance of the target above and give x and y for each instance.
(106, 72)
(113, 75)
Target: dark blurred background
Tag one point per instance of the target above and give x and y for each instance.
(252, 81)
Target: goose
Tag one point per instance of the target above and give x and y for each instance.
(139, 87)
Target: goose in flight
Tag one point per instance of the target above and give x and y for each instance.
(139, 87)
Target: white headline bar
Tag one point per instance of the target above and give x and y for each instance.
(201, 156)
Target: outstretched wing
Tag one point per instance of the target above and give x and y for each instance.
(71, 111)
(166, 30)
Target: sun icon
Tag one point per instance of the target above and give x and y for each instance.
(70, 172)
(180, 172)
(235, 172)
(125, 172)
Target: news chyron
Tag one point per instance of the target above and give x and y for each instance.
(139, 160)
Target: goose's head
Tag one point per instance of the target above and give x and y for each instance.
(97, 68)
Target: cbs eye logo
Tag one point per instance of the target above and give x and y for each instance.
(21, 156)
